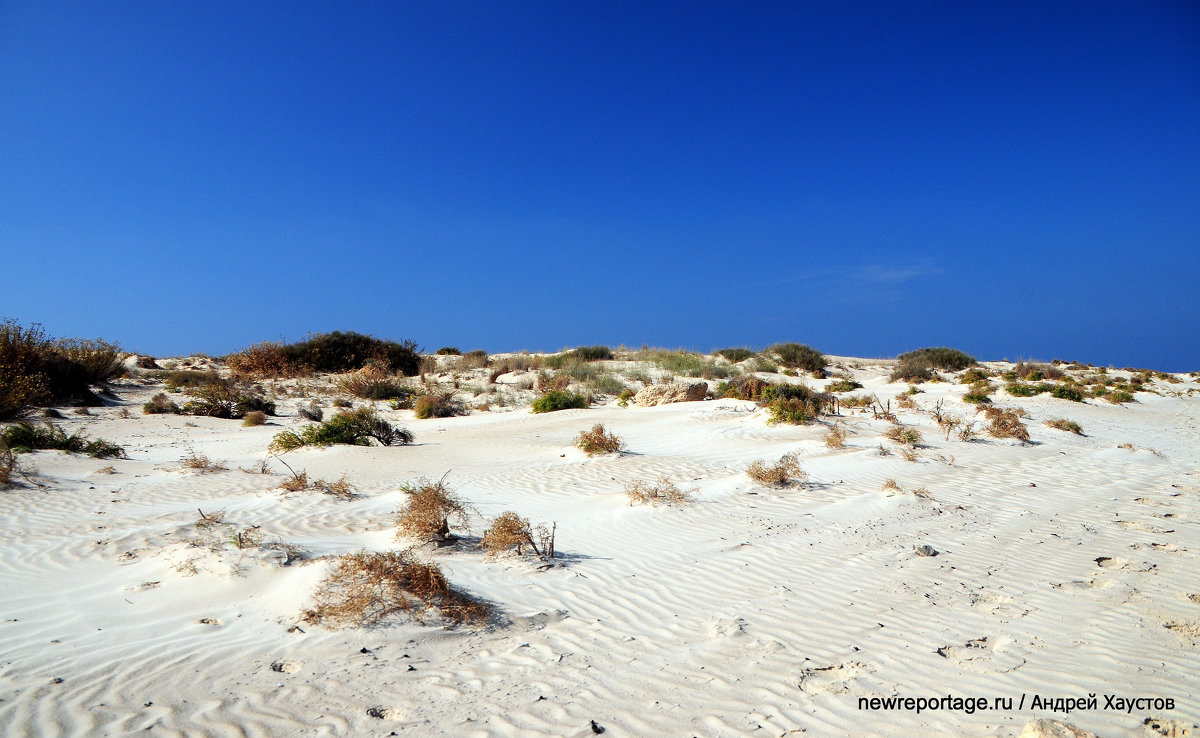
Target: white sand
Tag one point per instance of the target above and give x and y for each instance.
(754, 611)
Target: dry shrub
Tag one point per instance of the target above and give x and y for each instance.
(477, 359)
(910, 437)
(438, 405)
(547, 383)
(312, 412)
(835, 437)
(909, 453)
(201, 462)
(297, 483)
(781, 474)
(1066, 425)
(511, 532)
(890, 484)
(857, 401)
(10, 466)
(365, 587)
(373, 382)
(428, 511)
(905, 402)
(1006, 424)
(664, 492)
(598, 441)
(254, 417)
(262, 361)
(967, 432)
(341, 489)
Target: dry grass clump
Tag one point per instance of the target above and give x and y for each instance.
(835, 437)
(598, 441)
(664, 492)
(438, 405)
(10, 466)
(477, 359)
(160, 404)
(429, 510)
(200, 462)
(1006, 424)
(365, 587)
(510, 532)
(905, 401)
(254, 417)
(1066, 425)
(890, 485)
(372, 382)
(780, 474)
(263, 361)
(904, 435)
(341, 489)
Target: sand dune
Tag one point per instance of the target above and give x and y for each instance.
(1063, 568)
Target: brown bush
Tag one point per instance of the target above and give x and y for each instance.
(780, 474)
(835, 437)
(364, 588)
(429, 510)
(200, 462)
(1006, 424)
(664, 492)
(1066, 425)
(262, 361)
(438, 405)
(511, 532)
(598, 441)
(254, 417)
(10, 466)
(904, 435)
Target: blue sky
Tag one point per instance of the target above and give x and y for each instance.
(1019, 180)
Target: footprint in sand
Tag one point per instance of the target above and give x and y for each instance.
(1108, 562)
(284, 666)
(984, 654)
(208, 621)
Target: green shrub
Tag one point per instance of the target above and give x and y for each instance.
(24, 437)
(789, 410)
(948, 359)
(448, 351)
(625, 396)
(1067, 392)
(1017, 389)
(592, 353)
(843, 385)
(352, 428)
(371, 384)
(734, 355)
(1119, 396)
(558, 400)
(746, 387)
(972, 376)
(1036, 372)
(799, 356)
(344, 352)
(1066, 425)
(910, 371)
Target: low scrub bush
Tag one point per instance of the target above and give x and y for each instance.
(843, 385)
(1119, 396)
(734, 355)
(254, 417)
(263, 361)
(448, 351)
(373, 383)
(599, 441)
(835, 437)
(1006, 424)
(904, 435)
(782, 473)
(971, 376)
(558, 400)
(438, 405)
(429, 510)
(796, 404)
(160, 404)
(223, 399)
(312, 411)
(1035, 372)
(348, 351)
(1067, 392)
(24, 437)
(35, 370)
(200, 462)
(1066, 425)
(477, 359)
(746, 387)
(364, 588)
(511, 532)
(664, 492)
(947, 359)
(350, 427)
(798, 356)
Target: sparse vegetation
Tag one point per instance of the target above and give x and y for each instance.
(263, 361)
(364, 588)
(35, 370)
(200, 462)
(835, 437)
(598, 441)
(782, 473)
(664, 492)
(904, 435)
(312, 411)
(448, 351)
(373, 383)
(511, 532)
(429, 510)
(477, 359)
(843, 385)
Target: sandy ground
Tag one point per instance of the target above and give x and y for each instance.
(1065, 568)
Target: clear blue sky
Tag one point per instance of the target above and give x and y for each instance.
(1018, 180)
